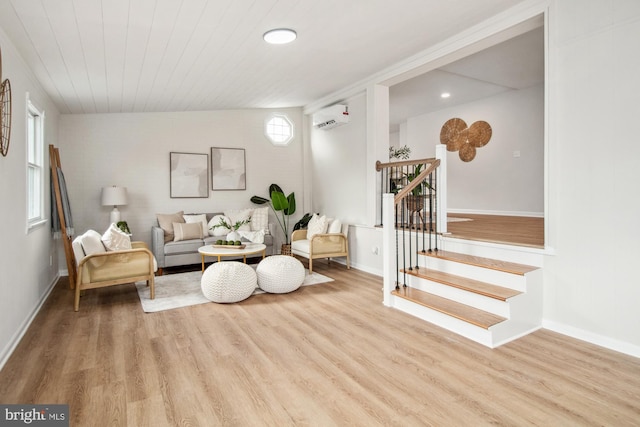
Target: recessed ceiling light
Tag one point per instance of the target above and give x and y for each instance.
(445, 95)
(280, 36)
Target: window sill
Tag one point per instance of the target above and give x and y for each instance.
(33, 225)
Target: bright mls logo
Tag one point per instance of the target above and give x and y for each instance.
(34, 415)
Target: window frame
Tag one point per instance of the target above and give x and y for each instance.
(35, 170)
(271, 137)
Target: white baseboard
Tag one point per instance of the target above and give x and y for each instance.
(8, 350)
(590, 337)
(501, 213)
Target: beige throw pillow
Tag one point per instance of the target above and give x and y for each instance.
(187, 231)
(199, 218)
(166, 221)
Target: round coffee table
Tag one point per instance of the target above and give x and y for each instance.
(249, 249)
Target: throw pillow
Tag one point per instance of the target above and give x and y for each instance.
(200, 218)
(335, 226)
(165, 221)
(187, 231)
(214, 227)
(237, 216)
(253, 236)
(92, 244)
(317, 225)
(260, 219)
(115, 239)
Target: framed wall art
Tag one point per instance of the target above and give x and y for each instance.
(228, 169)
(189, 175)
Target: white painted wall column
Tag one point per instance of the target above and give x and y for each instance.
(377, 145)
(389, 267)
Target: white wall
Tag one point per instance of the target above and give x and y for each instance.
(494, 182)
(26, 276)
(591, 284)
(132, 150)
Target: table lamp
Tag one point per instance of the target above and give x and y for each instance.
(114, 196)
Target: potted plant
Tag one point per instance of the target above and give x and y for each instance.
(233, 235)
(283, 207)
(415, 201)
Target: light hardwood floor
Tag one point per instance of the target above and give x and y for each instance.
(325, 355)
(515, 230)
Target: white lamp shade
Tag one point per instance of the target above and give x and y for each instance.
(114, 196)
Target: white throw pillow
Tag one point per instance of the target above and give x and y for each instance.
(187, 231)
(214, 227)
(335, 226)
(240, 215)
(260, 219)
(115, 239)
(91, 242)
(253, 236)
(317, 225)
(201, 218)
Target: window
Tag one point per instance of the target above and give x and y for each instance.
(279, 130)
(35, 173)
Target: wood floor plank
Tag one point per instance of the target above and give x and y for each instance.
(328, 354)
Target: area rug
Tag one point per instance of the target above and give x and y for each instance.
(183, 289)
(455, 219)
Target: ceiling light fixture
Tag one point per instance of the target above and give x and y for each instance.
(445, 95)
(280, 36)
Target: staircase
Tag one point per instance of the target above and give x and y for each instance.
(490, 301)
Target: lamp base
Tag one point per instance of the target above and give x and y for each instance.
(114, 216)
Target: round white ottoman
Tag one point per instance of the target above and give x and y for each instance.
(279, 274)
(228, 281)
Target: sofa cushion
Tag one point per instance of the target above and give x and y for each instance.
(166, 221)
(199, 218)
(301, 246)
(183, 247)
(115, 239)
(91, 242)
(335, 226)
(215, 228)
(187, 231)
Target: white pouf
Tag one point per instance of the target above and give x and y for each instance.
(228, 281)
(279, 274)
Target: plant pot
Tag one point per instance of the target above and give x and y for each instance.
(285, 249)
(415, 203)
(234, 235)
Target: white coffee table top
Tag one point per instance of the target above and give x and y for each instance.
(250, 248)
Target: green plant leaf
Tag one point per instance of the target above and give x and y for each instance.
(280, 203)
(275, 187)
(291, 209)
(259, 200)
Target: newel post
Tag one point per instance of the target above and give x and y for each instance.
(389, 268)
(441, 193)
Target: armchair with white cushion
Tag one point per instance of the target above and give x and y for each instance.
(323, 238)
(110, 259)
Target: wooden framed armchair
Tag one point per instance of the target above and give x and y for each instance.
(324, 245)
(98, 267)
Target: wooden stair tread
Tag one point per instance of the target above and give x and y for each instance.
(460, 311)
(493, 264)
(471, 285)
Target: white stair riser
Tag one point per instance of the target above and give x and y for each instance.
(495, 277)
(467, 330)
(517, 254)
(491, 305)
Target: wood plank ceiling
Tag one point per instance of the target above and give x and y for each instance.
(108, 56)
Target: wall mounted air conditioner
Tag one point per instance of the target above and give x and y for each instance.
(331, 117)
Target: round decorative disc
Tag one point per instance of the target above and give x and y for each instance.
(5, 116)
(479, 133)
(453, 134)
(467, 152)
